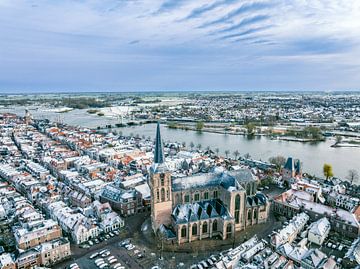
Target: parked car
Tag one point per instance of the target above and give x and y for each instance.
(125, 242)
(103, 265)
(94, 255)
(117, 266)
(99, 259)
(105, 254)
(74, 266)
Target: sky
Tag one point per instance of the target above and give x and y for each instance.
(179, 45)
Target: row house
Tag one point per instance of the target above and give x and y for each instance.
(36, 232)
(342, 221)
(127, 202)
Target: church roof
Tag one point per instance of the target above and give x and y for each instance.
(185, 213)
(159, 151)
(223, 179)
(159, 165)
(256, 200)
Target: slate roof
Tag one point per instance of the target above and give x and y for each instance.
(203, 210)
(159, 152)
(117, 194)
(256, 200)
(223, 179)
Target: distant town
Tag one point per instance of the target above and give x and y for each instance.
(76, 196)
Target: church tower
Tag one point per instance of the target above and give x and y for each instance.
(160, 186)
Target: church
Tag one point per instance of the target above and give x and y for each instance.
(204, 205)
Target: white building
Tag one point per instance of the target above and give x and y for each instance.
(318, 231)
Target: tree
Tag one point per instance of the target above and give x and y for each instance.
(338, 139)
(217, 151)
(192, 145)
(199, 125)
(236, 154)
(247, 156)
(250, 128)
(199, 146)
(227, 152)
(328, 171)
(183, 144)
(278, 161)
(353, 175)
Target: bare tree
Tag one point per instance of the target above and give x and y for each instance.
(192, 145)
(227, 152)
(217, 151)
(247, 156)
(236, 154)
(352, 176)
(278, 161)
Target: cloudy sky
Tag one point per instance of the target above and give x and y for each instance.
(168, 45)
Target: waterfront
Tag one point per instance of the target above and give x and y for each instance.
(313, 155)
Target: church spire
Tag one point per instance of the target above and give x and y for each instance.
(159, 151)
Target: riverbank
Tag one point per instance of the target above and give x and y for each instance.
(241, 130)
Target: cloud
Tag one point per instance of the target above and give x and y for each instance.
(245, 22)
(245, 32)
(172, 44)
(197, 12)
(245, 8)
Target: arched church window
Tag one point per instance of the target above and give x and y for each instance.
(205, 228)
(237, 208)
(194, 229)
(183, 231)
(162, 194)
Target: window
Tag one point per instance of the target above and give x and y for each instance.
(194, 229)
(162, 194)
(187, 198)
(248, 189)
(183, 231)
(249, 215)
(215, 194)
(206, 195)
(162, 179)
(228, 228)
(204, 229)
(197, 197)
(167, 194)
(237, 208)
(158, 195)
(214, 226)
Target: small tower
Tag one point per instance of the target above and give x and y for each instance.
(160, 186)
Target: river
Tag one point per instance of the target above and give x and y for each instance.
(312, 155)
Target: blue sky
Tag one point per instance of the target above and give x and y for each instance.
(170, 45)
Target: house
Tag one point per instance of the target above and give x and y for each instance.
(7, 261)
(54, 251)
(318, 231)
(36, 232)
(289, 232)
(352, 256)
(127, 202)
